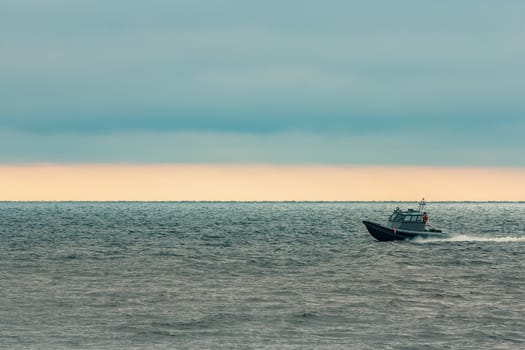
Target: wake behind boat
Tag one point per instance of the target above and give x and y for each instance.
(402, 225)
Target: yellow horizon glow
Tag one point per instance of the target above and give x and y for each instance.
(185, 182)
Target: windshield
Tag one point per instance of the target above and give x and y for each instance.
(396, 217)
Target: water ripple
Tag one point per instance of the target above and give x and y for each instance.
(258, 275)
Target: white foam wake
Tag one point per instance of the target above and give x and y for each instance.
(471, 238)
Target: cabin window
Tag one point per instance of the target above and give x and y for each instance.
(396, 217)
(412, 218)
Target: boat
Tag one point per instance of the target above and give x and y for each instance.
(402, 225)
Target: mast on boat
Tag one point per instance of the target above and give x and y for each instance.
(422, 204)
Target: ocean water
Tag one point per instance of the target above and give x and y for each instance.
(258, 276)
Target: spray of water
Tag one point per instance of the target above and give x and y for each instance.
(471, 238)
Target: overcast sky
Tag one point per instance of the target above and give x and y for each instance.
(285, 82)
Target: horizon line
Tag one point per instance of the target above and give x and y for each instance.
(263, 201)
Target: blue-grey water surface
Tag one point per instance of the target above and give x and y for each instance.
(258, 276)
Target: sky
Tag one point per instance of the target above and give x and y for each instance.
(274, 85)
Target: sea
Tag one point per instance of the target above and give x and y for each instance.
(262, 275)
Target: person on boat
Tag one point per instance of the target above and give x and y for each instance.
(425, 217)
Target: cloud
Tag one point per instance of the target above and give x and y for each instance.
(431, 147)
(381, 82)
(103, 67)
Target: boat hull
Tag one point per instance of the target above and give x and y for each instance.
(382, 233)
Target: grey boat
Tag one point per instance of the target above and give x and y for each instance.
(403, 225)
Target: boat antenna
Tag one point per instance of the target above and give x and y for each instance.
(422, 204)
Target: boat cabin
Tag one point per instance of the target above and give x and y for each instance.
(411, 220)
